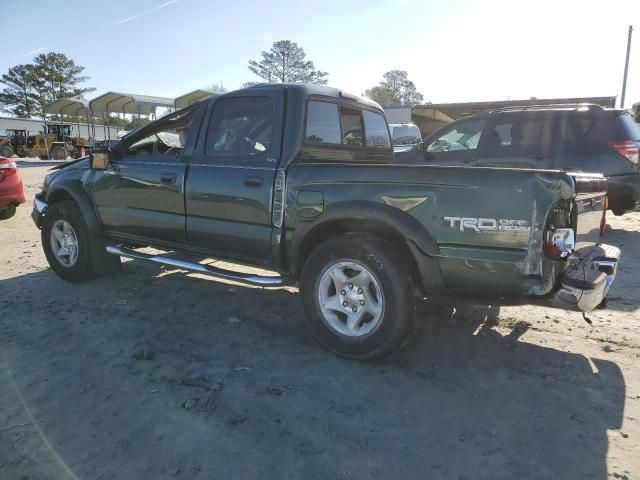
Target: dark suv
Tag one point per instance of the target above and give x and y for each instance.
(585, 138)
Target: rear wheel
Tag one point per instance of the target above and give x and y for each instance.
(7, 212)
(65, 240)
(358, 296)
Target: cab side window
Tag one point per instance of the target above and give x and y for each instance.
(376, 130)
(323, 123)
(240, 127)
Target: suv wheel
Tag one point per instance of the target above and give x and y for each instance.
(65, 240)
(358, 296)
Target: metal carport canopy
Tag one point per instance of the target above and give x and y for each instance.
(192, 97)
(115, 102)
(68, 106)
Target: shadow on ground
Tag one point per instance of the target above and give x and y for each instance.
(153, 374)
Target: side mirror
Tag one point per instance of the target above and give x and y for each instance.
(422, 146)
(99, 161)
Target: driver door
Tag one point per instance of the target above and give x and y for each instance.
(141, 195)
(231, 176)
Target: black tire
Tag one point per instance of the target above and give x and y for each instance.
(68, 211)
(7, 212)
(6, 151)
(394, 280)
(58, 153)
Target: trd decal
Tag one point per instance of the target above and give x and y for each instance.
(493, 225)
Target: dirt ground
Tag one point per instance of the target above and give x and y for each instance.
(154, 373)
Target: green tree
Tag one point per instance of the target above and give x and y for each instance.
(17, 97)
(51, 76)
(60, 77)
(395, 89)
(286, 62)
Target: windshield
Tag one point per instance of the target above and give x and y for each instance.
(406, 135)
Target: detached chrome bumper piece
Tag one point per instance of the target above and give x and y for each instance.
(588, 277)
(39, 209)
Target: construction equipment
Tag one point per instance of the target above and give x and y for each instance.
(13, 143)
(55, 141)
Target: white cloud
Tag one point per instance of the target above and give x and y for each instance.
(32, 52)
(133, 17)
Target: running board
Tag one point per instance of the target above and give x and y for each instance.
(257, 280)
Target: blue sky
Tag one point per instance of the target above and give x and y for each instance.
(454, 50)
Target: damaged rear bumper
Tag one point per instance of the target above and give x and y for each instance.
(587, 279)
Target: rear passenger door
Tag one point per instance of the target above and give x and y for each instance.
(231, 175)
(519, 140)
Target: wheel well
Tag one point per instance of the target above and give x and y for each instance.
(372, 227)
(59, 195)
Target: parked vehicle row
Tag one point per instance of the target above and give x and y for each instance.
(302, 180)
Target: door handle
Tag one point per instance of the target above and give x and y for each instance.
(252, 181)
(168, 178)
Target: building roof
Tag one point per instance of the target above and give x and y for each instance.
(115, 102)
(68, 106)
(192, 97)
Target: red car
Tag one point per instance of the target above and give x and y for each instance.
(11, 190)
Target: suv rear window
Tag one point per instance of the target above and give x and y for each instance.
(631, 128)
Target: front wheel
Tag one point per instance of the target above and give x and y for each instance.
(358, 296)
(6, 151)
(65, 240)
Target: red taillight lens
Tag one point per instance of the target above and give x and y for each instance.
(627, 149)
(7, 167)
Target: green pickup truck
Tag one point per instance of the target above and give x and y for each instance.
(301, 180)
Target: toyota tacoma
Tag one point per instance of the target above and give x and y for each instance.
(301, 180)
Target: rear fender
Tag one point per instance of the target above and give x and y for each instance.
(419, 242)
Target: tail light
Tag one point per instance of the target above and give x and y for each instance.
(627, 149)
(7, 167)
(559, 243)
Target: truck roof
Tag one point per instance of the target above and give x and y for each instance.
(307, 89)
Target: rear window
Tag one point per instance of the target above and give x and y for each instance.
(351, 122)
(631, 128)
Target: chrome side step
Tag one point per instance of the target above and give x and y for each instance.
(257, 280)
